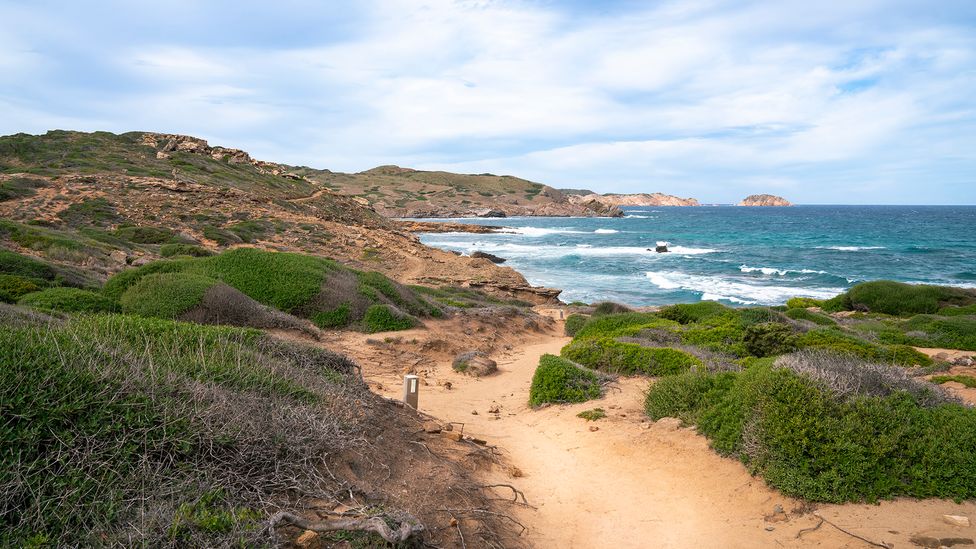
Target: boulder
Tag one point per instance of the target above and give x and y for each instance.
(489, 212)
(474, 363)
(661, 249)
(490, 257)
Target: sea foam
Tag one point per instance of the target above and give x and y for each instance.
(720, 288)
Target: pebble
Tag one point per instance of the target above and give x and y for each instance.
(956, 520)
(594, 428)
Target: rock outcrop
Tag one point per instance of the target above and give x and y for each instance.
(764, 200)
(640, 199)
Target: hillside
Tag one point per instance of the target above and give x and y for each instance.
(403, 192)
(99, 202)
(764, 200)
(640, 199)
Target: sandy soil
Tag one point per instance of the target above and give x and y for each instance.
(633, 482)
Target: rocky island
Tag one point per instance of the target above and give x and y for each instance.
(764, 200)
(639, 199)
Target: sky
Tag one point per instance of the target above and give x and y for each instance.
(853, 101)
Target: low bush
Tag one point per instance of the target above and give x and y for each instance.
(686, 313)
(251, 230)
(592, 415)
(759, 315)
(171, 250)
(968, 381)
(574, 322)
(835, 340)
(334, 318)
(20, 187)
(769, 339)
(13, 263)
(383, 318)
(721, 333)
(967, 310)
(609, 355)
(165, 295)
(955, 332)
(802, 302)
(609, 308)
(899, 299)
(812, 442)
(69, 300)
(13, 287)
(622, 325)
(129, 431)
(816, 318)
(557, 380)
(145, 235)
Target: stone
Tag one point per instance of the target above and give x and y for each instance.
(661, 248)
(515, 472)
(490, 257)
(474, 363)
(431, 427)
(451, 435)
(474, 412)
(594, 428)
(495, 409)
(306, 539)
(668, 423)
(956, 520)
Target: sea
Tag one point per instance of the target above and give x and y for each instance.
(735, 255)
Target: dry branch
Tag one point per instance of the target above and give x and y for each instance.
(408, 526)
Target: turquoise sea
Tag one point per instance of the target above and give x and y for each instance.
(732, 254)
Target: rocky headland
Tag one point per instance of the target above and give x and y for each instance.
(764, 200)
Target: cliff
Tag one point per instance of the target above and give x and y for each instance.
(764, 200)
(640, 199)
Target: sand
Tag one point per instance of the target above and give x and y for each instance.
(633, 482)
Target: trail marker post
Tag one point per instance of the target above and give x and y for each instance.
(411, 390)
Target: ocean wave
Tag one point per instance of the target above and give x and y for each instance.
(639, 217)
(538, 231)
(720, 288)
(606, 231)
(774, 271)
(851, 248)
(528, 251)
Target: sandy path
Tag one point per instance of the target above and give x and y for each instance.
(636, 483)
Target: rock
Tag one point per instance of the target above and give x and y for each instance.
(162, 156)
(764, 200)
(118, 257)
(431, 427)
(488, 212)
(474, 412)
(490, 257)
(515, 472)
(668, 423)
(306, 539)
(495, 409)
(594, 428)
(474, 363)
(963, 361)
(661, 248)
(956, 520)
(448, 385)
(936, 543)
(451, 435)
(770, 528)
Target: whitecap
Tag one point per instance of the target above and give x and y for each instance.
(742, 291)
(606, 231)
(774, 271)
(539, 231)
(850, 248)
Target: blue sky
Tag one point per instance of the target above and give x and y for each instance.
(822, 102)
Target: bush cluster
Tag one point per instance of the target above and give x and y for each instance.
(802, 302)
(835, 340)
(558, 380)
(574, 322)
(609, 355)
(69, 300)
(813, 443)
(769, 339)
(899, 299)
(165, 295)
(12, 287)
(172, 250)
(816, 318)
(382, 318)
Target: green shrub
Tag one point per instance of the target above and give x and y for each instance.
(622, 324)
(758, 315)
(165, 295)
(21, 265)
(816, 318)
(612, 356)
(610, 308)
(145, 235)
(121, 281)
(811, 443)
(896, 298)
(574, 322)
(69, 300)
(117, 428)
(251, 230)
(12, 287)
(171, 250)
(802, 302)
(222, 237)
(838, 341)
(955, 332)
(721, 333)
(91, 212)
(769, 339)
(382, 318)
(558, 380)
(334, 318)
(592, 415)
(968, 381)
(967, 310)
(686, 313)
(19, 187)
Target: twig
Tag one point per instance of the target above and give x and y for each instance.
(516, 493)
(811, 529)
(487, 512)
(407, 528)
(853, 535)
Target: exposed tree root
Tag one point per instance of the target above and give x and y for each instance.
(853, 535)
(408, 526)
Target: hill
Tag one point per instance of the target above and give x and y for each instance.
(764, 200)
(96, 203)
(403, 192)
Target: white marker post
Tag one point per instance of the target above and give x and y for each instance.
(411, 390)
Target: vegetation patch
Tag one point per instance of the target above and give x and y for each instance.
(899, 299)
(382, 318)
(686, 313)
(955, 332)
(574, 323)
(96, 212)
(609, 355)
(592, 415)
(145, 235)
(13, 287)
(558, 380)
(840, 342)
(69, 300)
(968, 381)
(20, 187)
(816, 318)
(333, 318)
(769, 339)
(251, 230)
(803, 303)
(189, 250)
(830, 429)
(165, 295)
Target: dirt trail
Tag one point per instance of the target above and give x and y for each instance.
(636, 483)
